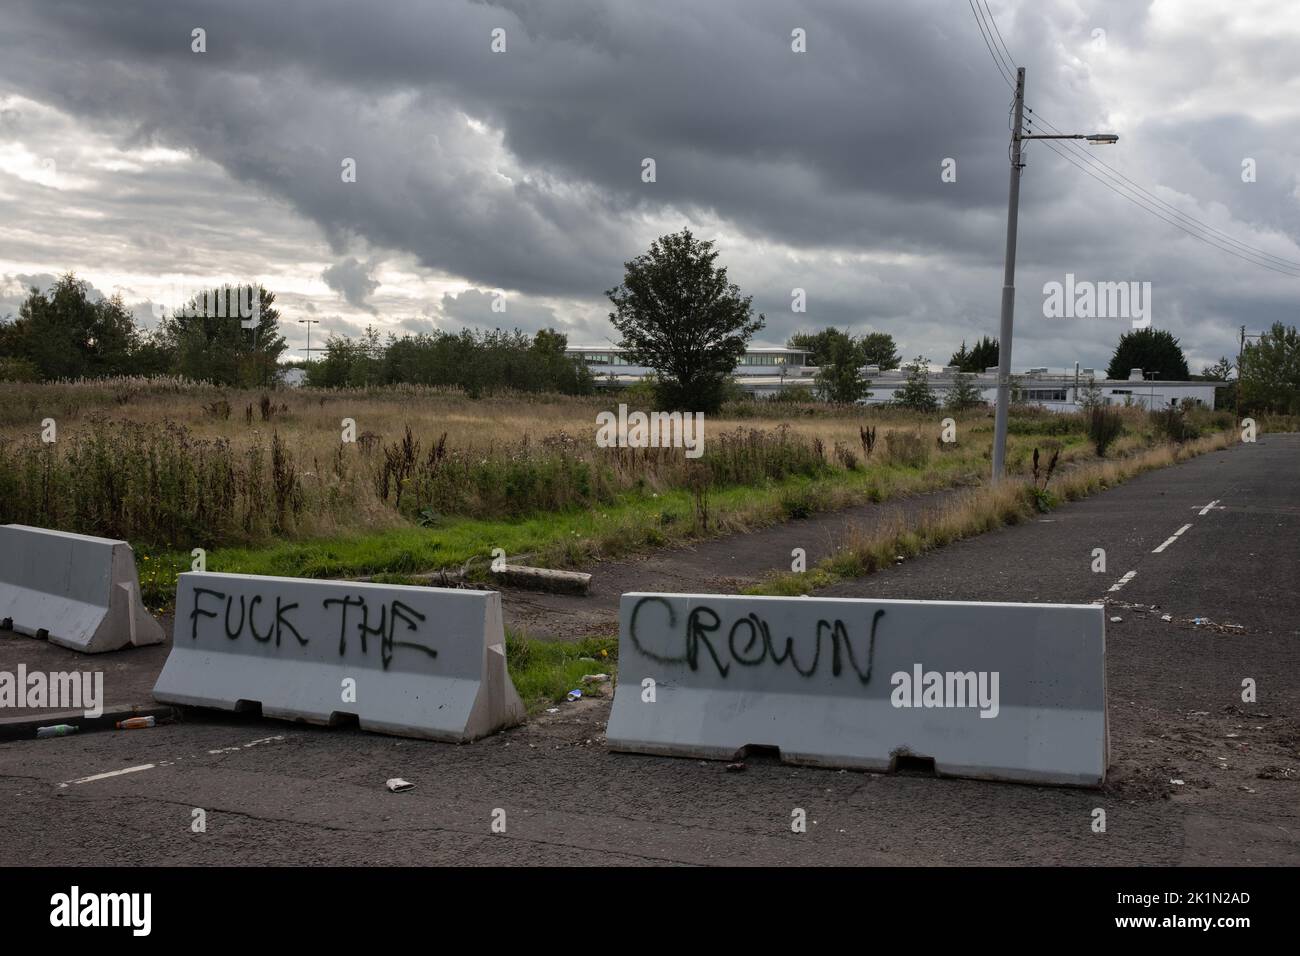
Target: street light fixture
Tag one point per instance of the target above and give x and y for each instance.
(1018, 136)
(309, 323)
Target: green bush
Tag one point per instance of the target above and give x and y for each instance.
(18, 370)
(1049, 423)
(1173, 424)
(1104, 426)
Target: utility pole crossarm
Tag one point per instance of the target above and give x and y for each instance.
(1091, 137)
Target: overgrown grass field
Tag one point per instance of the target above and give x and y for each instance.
(266, 483)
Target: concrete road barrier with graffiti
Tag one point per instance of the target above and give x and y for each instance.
(411, 661)
(994, 691)
(76, 590)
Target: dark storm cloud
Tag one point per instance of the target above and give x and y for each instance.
(834, 153)
(840, 145)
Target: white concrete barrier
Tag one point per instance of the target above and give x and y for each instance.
(80, 592)
(994, 691)
(411, 661)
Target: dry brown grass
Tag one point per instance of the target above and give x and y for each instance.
(121, 464)
(976, 511)
(310, 421)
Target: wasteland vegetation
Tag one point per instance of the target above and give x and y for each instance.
(410, 479)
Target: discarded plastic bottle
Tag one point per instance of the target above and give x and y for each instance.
(57, 730)
(135, 723)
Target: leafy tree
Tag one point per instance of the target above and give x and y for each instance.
(559, 371)
(916, 392)
(64, 333)
(838, 376)
(1153, 351)
(477, 361)
(677, 314)
(874, 348)
(349, 363)
(208, 341)
(818, 345)
(1221, 371)
(1270, 372)
(878, 349)
(963, 394)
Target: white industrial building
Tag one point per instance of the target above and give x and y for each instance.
(764, 372)
(1060, 390)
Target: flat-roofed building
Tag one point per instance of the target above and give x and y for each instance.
(761, 371)
(764, 372)
(1063, 390)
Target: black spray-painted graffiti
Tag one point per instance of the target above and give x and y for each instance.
(749, 642)
(390, 614)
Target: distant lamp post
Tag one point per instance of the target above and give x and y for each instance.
(309, 323)
(1018, 136)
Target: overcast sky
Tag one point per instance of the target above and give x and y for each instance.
(151, 170)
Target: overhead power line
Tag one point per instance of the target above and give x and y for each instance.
(1082, 153)
(1116, 181)
(1011, 60)
(988, 43)
(1069, 158)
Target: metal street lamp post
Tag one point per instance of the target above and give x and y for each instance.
(1018, 136)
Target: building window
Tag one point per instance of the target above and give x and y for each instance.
(1040, 395)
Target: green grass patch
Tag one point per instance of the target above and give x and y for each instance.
(559, 539)
(545, 671)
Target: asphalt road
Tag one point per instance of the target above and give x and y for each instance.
(276, 793)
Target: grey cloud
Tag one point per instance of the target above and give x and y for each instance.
(353, 280)
(473, 307)
(833, 153)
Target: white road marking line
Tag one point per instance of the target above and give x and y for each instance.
(1123, 581)
(111, 773)
(251, 743)
(1171, 539)
(1206, 509)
